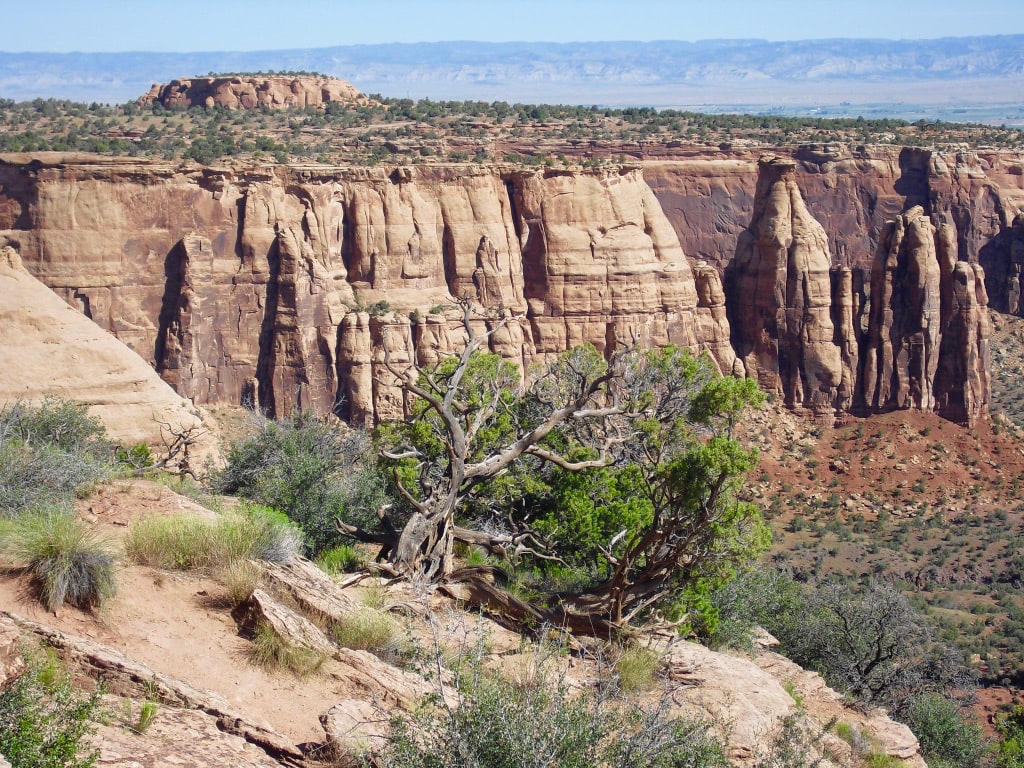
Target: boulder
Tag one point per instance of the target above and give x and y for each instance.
(355, 730)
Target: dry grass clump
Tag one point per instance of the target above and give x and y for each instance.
(637, 669)
(240, 579)
(189, 542)
(69, 562)
(274, 652)
(370, 629)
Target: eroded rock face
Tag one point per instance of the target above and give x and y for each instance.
(252, 92)
(782, 296)
(906, 325)
(292, 289)
(929, 327)
(49, 349)
(828, 341)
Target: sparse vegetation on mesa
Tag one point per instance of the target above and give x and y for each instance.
(403, 131)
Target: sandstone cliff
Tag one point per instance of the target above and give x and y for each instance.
(782, 296)
(252, 92)
(49, 349)
(284, 286)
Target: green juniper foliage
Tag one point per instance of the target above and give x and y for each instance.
(43, 720)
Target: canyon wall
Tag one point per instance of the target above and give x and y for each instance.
(845, 280)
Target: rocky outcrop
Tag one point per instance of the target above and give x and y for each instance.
(756, 696)
(929, 328)
(804, 329)
(12, 664)
(49, 349)
(783, 322)
(126, 676)
(252, 92)
(290, 288)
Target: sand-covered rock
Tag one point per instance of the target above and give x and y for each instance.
(50, 350)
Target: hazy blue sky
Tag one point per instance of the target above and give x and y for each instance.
(203, 25)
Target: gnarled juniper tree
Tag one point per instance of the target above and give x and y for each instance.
(663, 415)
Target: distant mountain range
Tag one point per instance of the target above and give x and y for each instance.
(966, 75)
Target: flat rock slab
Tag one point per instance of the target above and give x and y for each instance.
(184, 738)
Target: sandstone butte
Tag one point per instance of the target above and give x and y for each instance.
(252, 92)
(846, 280)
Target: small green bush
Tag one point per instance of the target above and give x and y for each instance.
(48, 452)
(306, 467)
(69, 563)
(137, 457)
(44, 721)
(343, 558)
(62, 424)
(948, 738)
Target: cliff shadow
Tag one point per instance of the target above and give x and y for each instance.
(913, 184)
(169, 321)
(267, 360)
(996, 258)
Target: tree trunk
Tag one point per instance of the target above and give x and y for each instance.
(425, 547)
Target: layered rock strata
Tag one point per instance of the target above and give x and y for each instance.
(288, 287)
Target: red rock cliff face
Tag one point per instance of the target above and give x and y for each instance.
(284, 287)
(286, 291)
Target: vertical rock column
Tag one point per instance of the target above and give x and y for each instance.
(712, 323)
(962, 383)
(782, 296)
(927, 345)
(905, 327)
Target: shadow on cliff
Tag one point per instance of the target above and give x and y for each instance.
(268, 332)
(175, 266)
(912, 184)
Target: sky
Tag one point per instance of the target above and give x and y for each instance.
(237, 25)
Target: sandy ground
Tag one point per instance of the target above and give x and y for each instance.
(177, 624)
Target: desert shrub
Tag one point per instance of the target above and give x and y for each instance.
(637, 669)
(793, 745)
(187, 542)
(306, 467)
(137, 457)
(758, 596)
(47, 453)
(948, 738)
(538, 721)
(62, 424)
(69, 562)
(272, 651)
(370, 629)
(1010, 749)
(867, 640)
(343, 558)
(44, 721)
